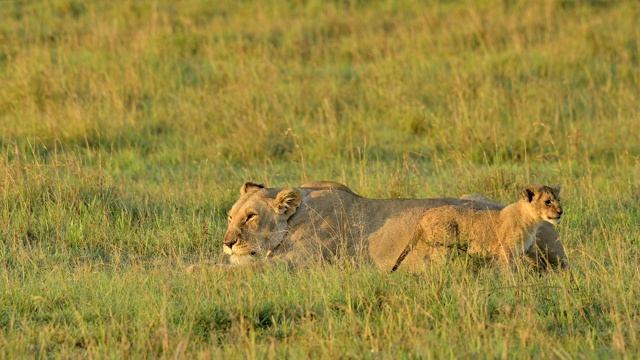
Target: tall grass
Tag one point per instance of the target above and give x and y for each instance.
(126, 128)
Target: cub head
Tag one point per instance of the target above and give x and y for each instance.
(257, 222)
(545, 202)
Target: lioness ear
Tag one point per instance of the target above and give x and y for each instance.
(287, 201)
(250, 187)
(530, 192)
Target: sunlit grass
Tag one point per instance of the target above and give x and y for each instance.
(127, 128)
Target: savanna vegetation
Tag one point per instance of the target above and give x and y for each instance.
(127, 128)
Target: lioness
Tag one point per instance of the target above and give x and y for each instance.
(323, 220)
(503, 235)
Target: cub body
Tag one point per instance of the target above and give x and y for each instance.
(503, 235)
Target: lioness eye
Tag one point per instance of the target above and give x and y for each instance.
(250, 216)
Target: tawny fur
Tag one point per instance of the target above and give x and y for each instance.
(324, 220)
(503, 235)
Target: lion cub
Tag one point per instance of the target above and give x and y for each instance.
(503, 234)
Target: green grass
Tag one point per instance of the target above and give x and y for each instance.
(127, 128)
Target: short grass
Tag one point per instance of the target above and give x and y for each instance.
(126, 128)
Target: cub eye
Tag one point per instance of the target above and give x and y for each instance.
(548, 202)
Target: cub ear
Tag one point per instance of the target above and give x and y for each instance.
(287, 201)
(530, 192)
(250, 187)
(556, 190)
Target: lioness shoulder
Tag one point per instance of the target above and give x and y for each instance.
(327, 185)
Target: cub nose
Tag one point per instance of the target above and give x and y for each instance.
(560, 212)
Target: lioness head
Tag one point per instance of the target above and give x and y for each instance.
(257, 222)
(545, 202)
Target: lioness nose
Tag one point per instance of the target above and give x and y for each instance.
(229, 240)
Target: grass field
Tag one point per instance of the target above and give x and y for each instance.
(127, 128)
